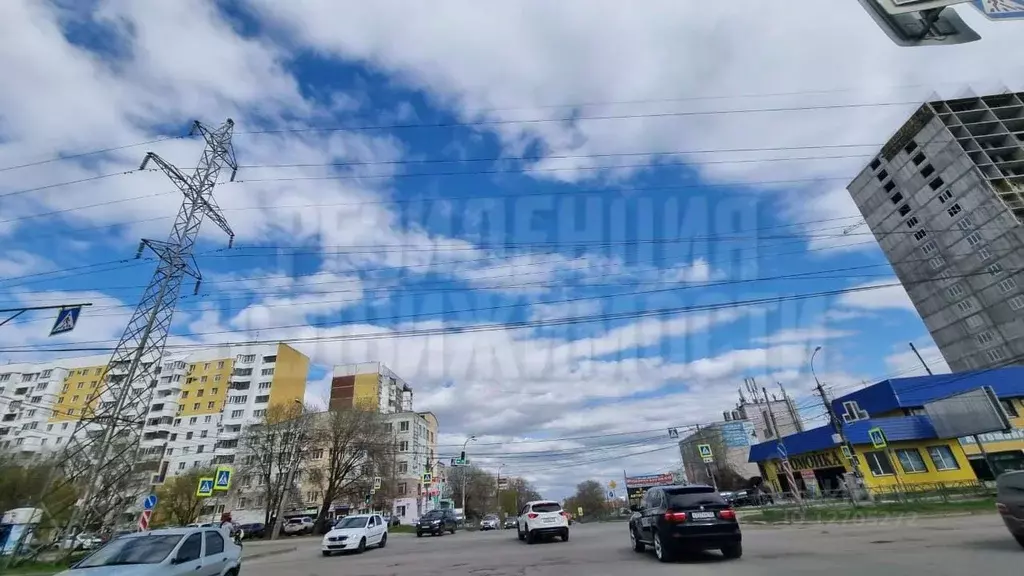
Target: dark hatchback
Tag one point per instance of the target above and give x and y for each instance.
(437, 522)
(675, 519)
(1010, 502)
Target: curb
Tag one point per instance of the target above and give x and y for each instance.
(863, 520)
(268, 553)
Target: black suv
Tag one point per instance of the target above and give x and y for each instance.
(671, 519)
(437, 522)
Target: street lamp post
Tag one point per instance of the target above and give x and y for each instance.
(836, 424)
(464, 444)
(500, 466)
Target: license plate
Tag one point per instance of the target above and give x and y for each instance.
(549, 520)
(702, 515)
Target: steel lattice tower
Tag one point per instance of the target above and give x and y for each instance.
(102, 455)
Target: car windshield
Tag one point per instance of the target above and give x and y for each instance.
(352, 522)
(690, 498)
(547, 507)
(150, 549)
(433, 515)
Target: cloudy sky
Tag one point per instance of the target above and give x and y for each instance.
(569, 225)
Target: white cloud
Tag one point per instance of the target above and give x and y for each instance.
(806, 336)
(575, 309)
(20, 263)
(888, 298)
(903, 363)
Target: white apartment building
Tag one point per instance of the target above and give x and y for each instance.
(416, 434)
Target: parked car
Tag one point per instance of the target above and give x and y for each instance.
(437, 522)
(253, 530)
(510, 522)
(671, 519)
(168, 552)
(490, 522)
(543, 519)
(298, 526)
(355, 533)
(1010, 502)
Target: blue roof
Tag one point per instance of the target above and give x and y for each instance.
(897, 429)
(898, 393)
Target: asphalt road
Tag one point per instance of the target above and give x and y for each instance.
(953, 546)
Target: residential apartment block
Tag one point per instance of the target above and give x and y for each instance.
(945, 200)
(369, 385)
(201, 400)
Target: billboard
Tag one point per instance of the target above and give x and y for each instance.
(737, 433)
(968, 413)
(649, 480)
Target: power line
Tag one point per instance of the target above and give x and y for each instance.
(89, 153)
(579, 118)
(67, 183)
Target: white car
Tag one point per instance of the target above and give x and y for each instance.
(169, 552)
(355, 533)
(295, 526)
(543, 519)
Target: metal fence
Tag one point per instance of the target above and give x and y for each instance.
(935, 492)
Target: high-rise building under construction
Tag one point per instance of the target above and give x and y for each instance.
(945, 200)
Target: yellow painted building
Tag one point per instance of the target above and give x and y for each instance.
(74, 394)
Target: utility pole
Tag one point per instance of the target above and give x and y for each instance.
(785, 460)
(837, 426)
(101, 454)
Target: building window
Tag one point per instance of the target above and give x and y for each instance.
(954, 210)
(1017, 303)
(995, 354)
(912, 221)
(889, 187)
(882, 175)
(936, 184)
(1010, 409)
(965, 224)
(937, 262)
(928, 247)
(875, 164)
(403, 426)
(975, 321)
(974, 238)
(403, 467)
(918, 159)
(942, 458)
(1007, 285)
(945, 196)
(985, 338)
(955, 291)
(984, 253)
(965, 305)
(920, 234)
(896, 198)
(879, 463)
(995, 269)
(403, 446)
(904, 210)
(928, 170)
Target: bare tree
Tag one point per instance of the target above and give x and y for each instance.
(273, 448)
(355, 444)
(179, 504)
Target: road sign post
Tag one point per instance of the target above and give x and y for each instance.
(144, 519)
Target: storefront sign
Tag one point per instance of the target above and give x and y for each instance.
(815, 461)
(649, 481)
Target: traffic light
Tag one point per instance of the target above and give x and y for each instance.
(462, 456)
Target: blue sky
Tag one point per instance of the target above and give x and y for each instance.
(523, 198)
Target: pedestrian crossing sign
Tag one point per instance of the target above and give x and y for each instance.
(67, 318)
(223, 479)
(705, 450)
(205, 488)
(427, 478)
(877, 438)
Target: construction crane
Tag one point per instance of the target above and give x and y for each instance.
(853, 227)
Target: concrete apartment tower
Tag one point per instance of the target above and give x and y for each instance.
(945, 200)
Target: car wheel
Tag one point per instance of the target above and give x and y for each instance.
(530, 537)
(1019, 539)
(419, 534)
(362, 546)
(733, 551)
(660, 550)
(383, 540)
(565, 535)
(325, 552)
(638, 546)
(520, 534)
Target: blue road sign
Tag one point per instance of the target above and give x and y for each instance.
(1000, 9)
(149, 503)
(222, 479)
(66, 320)
(205, 487)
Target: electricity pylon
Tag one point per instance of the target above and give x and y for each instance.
(102, 454)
